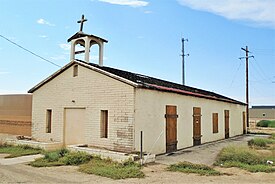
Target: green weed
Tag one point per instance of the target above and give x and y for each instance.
(110, 169)
(19, 150)
(188, 167)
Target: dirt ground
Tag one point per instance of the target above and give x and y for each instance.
(155, 173)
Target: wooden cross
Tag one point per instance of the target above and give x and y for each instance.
(81, 22)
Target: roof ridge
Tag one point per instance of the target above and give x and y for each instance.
(142, 79)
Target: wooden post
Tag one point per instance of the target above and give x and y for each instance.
(247, 94)
(141, 148)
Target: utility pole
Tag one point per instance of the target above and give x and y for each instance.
(246, 81)
(183, 56)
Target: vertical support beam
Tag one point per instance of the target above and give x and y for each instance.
(72, 57)
(100, 62)
(87, 49)
(247, 93)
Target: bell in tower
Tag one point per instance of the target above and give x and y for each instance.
(86, 41)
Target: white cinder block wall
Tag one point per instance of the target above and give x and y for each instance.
(150, 109)
(130, 110)
(94, 92)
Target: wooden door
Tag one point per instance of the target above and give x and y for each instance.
(74, 126)
(171, 128)
(226, 123)
(244, 122)
(197, 126)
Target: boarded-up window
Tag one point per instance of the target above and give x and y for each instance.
(49, 121)
(215, 122)
(104, 124)
(75, 72)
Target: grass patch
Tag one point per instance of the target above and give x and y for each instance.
(61, 157)
(188, 167)
(110, 169)
(17, 151)
(266, 123)
(244, 158)
(260, 142)
(251, 168)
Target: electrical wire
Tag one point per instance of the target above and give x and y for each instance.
(27, 50)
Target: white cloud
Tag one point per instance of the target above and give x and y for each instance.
(4, 73)
(132, 3)
(65, 46)
(43, 36)
(260, 12)
(148, 12)
(42, 21)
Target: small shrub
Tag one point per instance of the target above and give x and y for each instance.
(272, 136)
(188, 167)
(239, 154)
(110, 169)
(52, 156)
(76, 158)
(250, 168)
(244, 158)
(262, 123)
(266, 123)
(63, 152)
(42, 162)
(260, 142)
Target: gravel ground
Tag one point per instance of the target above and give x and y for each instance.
(155, 173)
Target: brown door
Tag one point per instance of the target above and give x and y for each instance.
(226, 123)
(244, 123)
(196, 126)
(171, 128)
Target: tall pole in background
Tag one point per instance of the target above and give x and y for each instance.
(183, 56)
(246, 87)
(246, 81)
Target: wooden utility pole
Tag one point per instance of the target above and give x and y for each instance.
(183, 55)
(246, 79)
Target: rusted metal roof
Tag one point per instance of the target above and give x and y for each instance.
(162, 85)
(142, 81)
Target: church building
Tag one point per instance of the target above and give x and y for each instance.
(104, 107)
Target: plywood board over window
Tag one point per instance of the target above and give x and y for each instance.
(215, 119)
(104, 124)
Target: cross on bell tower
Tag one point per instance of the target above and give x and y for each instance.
(86, 41)
(81, 22)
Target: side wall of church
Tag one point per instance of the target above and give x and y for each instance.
(150, 118)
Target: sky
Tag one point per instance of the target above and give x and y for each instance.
(145, 37)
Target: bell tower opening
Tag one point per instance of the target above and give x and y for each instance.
(86, 41)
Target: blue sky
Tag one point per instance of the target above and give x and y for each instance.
(145, 37)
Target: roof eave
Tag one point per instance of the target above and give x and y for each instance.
(187, 93)
(86, 66)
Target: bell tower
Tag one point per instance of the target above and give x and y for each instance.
(86, 41)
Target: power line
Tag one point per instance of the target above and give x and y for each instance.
(234, 77)
(30, 51)
(260, 70)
